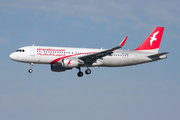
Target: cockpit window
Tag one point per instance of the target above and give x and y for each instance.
(20, 50)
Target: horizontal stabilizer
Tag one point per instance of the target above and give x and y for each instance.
(159, 54)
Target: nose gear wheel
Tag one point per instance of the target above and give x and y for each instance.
(30, 70)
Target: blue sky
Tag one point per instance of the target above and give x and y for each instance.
(148, 91)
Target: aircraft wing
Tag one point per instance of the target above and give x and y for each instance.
(103, 53)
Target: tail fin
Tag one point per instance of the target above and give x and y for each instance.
(152, 42)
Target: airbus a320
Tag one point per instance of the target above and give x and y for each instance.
(66, 58)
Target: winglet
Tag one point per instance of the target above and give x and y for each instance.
(123, 42)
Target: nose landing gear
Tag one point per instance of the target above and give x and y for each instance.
(30, 70)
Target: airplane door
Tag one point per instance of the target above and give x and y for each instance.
(32, 51)
(135, 58)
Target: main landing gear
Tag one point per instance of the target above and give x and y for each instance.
(80, 74)
(88, 71)
(30, 70)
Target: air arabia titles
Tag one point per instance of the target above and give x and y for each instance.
(50, 52)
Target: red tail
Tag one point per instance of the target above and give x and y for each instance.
(152, 43)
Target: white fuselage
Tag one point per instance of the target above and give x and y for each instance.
(54, 55)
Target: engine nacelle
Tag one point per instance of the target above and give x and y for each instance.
(57, 68)
(69, 63)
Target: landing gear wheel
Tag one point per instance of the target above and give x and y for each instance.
(80, 74)
(88, 71)
(30, 70)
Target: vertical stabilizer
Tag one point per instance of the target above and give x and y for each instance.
(152, 42)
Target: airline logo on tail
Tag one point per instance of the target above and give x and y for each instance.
(152, 42)
(153, 38)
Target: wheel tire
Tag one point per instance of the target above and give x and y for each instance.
(88, 71)
(30, 70)
(80, 74)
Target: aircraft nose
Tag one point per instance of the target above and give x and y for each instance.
(12, 56)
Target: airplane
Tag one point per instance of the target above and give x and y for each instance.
(66, 58)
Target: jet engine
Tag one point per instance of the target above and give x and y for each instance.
(57, 68)
(69, 63)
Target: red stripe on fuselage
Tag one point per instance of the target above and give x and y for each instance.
(58, 59)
